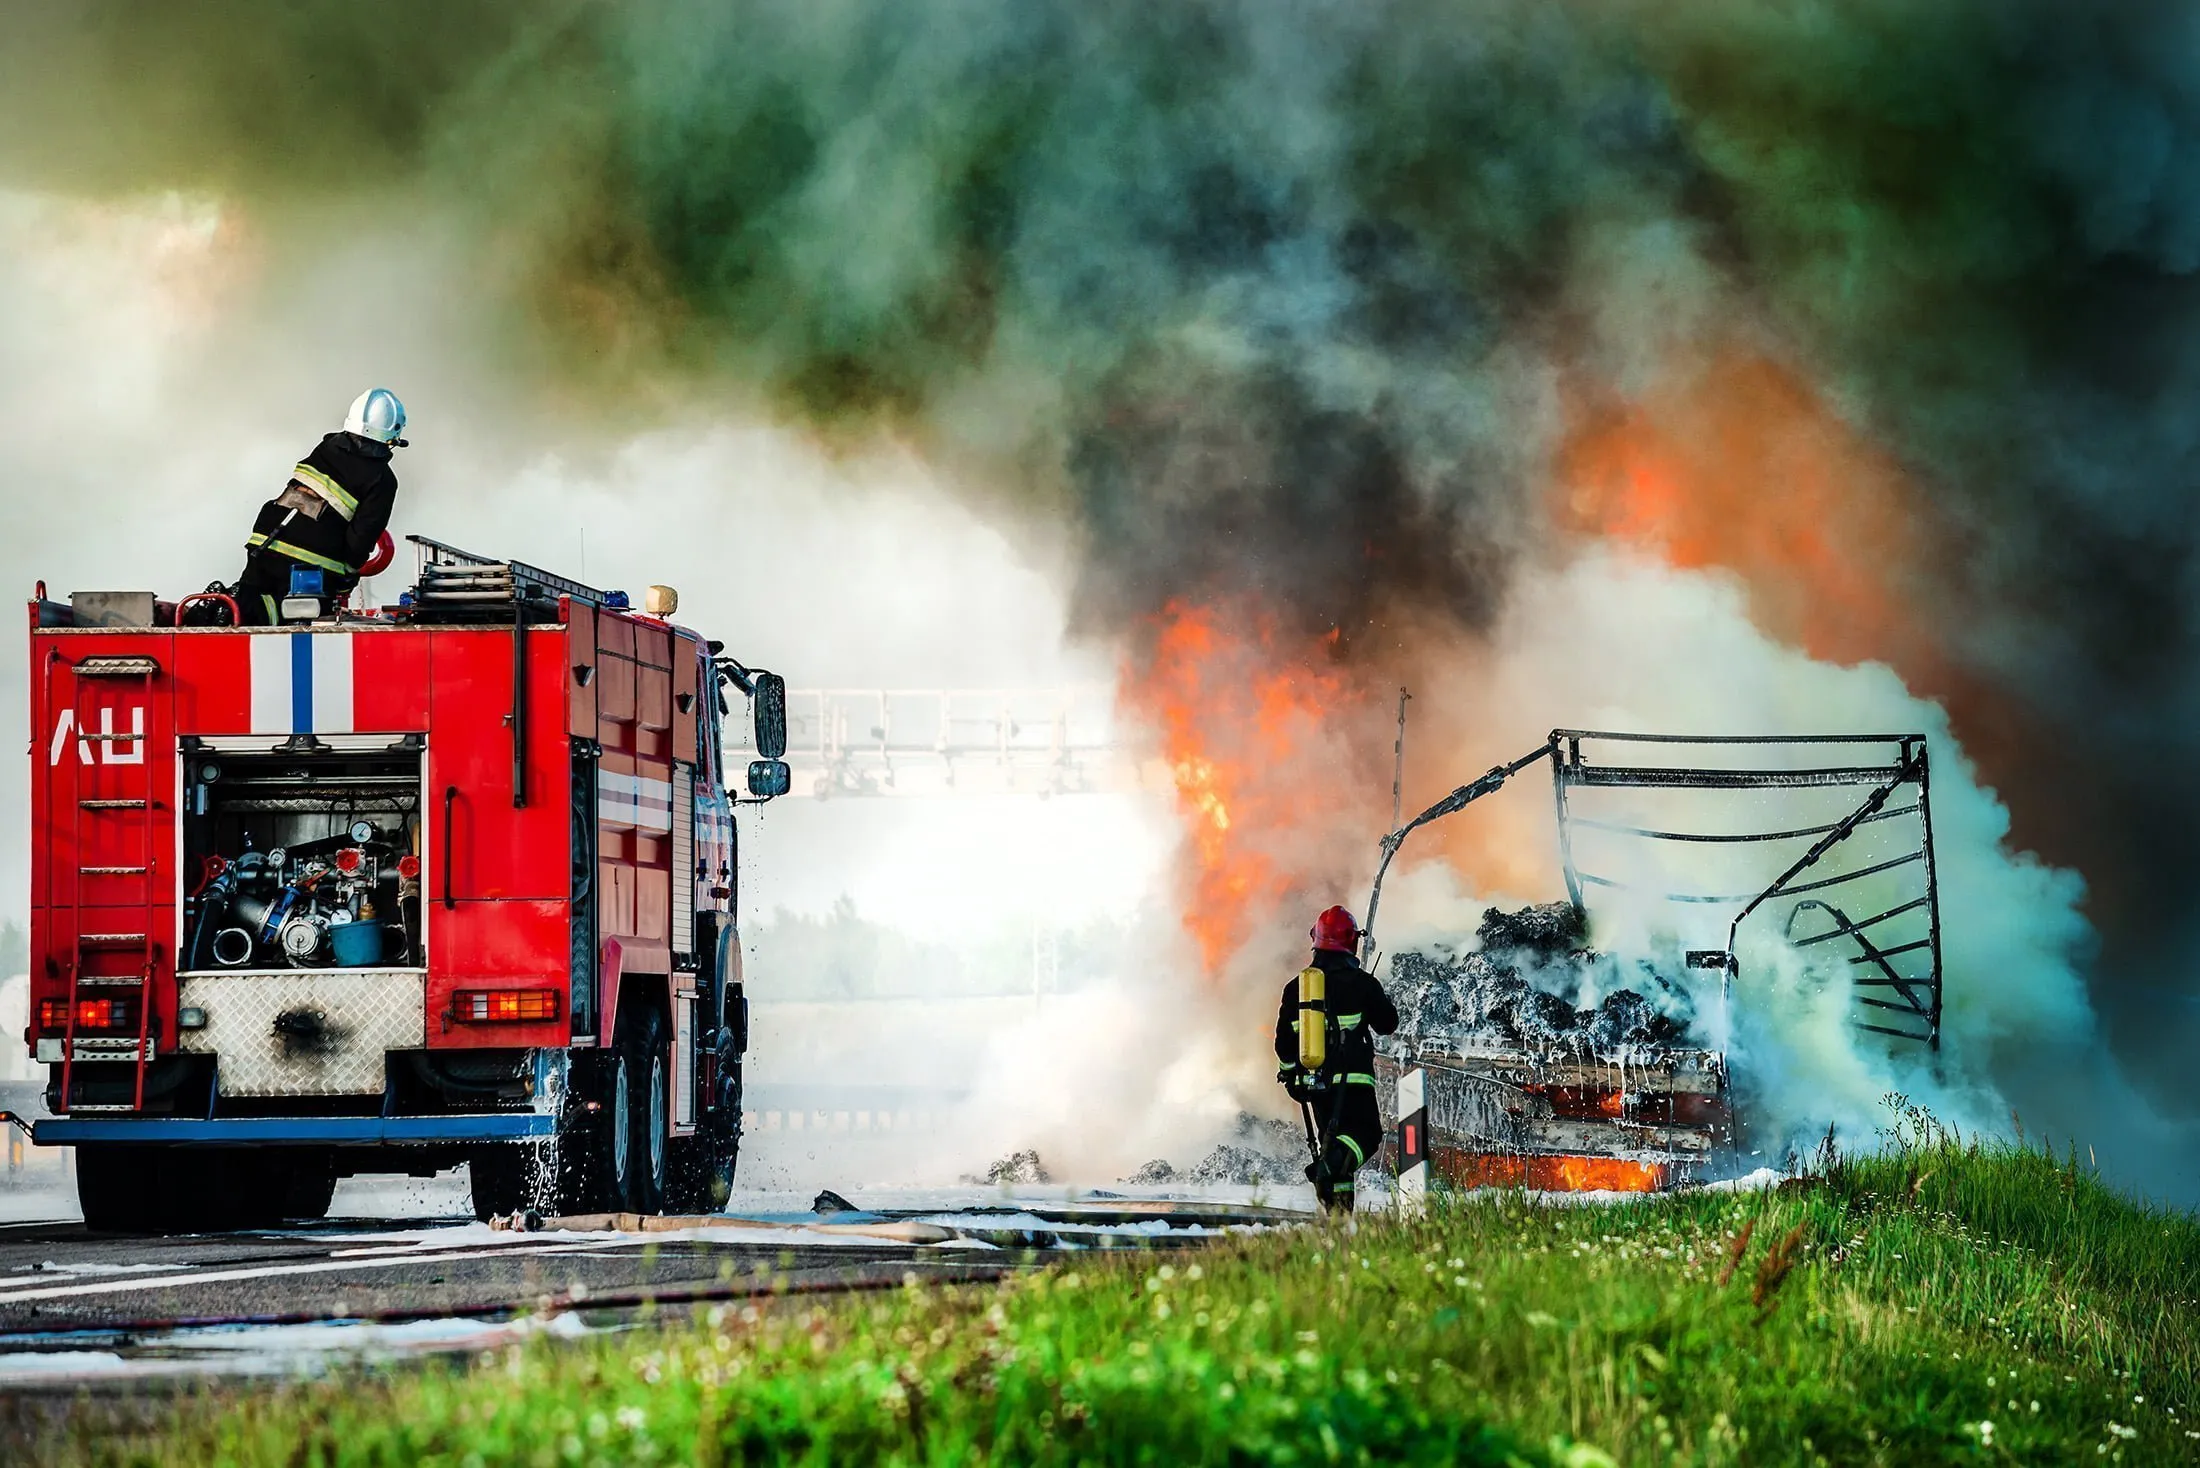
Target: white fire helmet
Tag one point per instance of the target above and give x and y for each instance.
(377, 414)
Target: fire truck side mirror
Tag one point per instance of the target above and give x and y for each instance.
(769, 778)
(771, 717)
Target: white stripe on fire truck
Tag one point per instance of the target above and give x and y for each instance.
(634, 800)
(301, 683)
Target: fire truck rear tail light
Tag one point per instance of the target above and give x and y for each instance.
(91, 1014)
(504, 1006)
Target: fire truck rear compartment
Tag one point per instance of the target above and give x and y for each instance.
(285, 849)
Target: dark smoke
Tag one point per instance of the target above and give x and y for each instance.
(1293, 297)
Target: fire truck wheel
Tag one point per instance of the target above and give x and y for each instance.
(307, 1184)
(172, 1190)
(507, 1180)
(702, 1170)
(643, 1057)
(110, 1187)
(587, 1161)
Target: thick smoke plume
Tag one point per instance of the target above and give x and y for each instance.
(1347, 310)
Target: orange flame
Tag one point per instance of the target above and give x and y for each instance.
(1242, 717)
(1550, 1174)
(1744, 466)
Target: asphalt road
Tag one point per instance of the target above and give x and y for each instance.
(97, 1331)
(55, 1279)
(80, 1308)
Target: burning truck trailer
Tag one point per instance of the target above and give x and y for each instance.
(1529, 1058)
(388, 891)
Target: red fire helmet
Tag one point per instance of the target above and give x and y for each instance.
(1336, 930)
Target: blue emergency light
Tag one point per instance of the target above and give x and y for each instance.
(306, 590)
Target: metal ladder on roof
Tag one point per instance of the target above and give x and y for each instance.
(454, 581)
(110, 818)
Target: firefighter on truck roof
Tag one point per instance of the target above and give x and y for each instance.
(1325, 1051)
(331, 515)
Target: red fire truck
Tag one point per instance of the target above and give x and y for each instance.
(387, 891)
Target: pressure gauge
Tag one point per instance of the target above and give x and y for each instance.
(209, 772)
(362, 831)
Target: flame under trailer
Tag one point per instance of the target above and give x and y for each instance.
(388, 890)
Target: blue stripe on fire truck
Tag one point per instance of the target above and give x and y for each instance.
(301, 683)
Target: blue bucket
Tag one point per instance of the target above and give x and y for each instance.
(357, 945)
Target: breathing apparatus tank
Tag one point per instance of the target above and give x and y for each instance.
(1313, 1019)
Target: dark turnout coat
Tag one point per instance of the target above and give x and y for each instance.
(330, 514)
(1362, 1011)
(1348, 1123)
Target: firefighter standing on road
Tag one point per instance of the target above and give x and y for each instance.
(1325, 1049)
(330, 515)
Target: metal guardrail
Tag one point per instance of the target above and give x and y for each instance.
(905, 741)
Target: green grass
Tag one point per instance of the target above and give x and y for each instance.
(1882, 1313)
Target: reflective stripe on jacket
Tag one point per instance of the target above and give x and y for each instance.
(256, 541)
(1359, 1009)
(340, 499)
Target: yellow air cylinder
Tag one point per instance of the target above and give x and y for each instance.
(1313, 1018)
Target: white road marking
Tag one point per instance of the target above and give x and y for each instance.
(231, 1276)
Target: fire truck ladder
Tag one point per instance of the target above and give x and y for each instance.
(459, 583)
(104, 811)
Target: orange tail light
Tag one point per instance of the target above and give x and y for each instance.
(504, 1006)
(91, 1014)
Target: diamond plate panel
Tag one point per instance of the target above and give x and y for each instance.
(335, 1026)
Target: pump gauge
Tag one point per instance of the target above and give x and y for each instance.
(362, 831)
